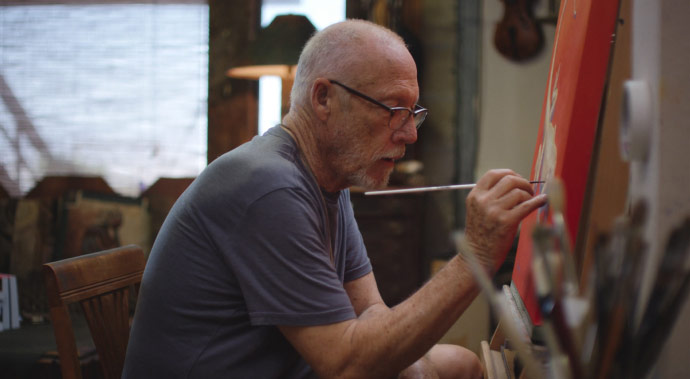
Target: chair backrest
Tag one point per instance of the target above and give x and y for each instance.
(101, 283)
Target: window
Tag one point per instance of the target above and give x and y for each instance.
(117, 90)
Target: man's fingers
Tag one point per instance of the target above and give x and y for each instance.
(513, 198)
(510, 182)
(491, 177)
(526, 207)
(517, 205)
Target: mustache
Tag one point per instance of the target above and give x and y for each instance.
(395, 155)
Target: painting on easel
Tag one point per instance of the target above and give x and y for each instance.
(570, 115)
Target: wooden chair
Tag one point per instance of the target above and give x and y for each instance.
(101, 283)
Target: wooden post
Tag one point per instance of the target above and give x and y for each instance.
(232, 103)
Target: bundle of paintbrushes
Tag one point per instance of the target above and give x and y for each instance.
(595, 329)
(630, 337)
(564, 309)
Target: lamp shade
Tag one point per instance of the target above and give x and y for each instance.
(277, 48)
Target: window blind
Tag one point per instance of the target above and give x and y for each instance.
(115, 89)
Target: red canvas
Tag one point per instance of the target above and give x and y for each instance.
(574, 93)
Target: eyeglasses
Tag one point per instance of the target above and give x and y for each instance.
(399, 115)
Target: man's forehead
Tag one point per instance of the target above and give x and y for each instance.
(371, 66)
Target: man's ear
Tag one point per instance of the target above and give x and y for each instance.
(321, 98)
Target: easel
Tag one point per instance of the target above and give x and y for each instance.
(498, 362)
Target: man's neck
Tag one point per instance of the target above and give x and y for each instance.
(308, 143)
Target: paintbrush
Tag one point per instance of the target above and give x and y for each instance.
(555, 191)
(429, 189)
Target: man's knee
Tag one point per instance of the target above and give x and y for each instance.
(422, 369)
(452, 361)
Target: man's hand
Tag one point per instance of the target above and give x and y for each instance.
(495, 207)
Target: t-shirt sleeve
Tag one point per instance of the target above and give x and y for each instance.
(283, 266)
(357, 262)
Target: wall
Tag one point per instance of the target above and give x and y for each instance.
(511, 98)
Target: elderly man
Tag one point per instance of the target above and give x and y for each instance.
(259, 271)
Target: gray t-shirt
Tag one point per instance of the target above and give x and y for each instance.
(247, 247)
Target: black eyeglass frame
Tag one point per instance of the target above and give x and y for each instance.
(419, 110)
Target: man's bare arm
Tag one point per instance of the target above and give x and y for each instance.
(382, 341)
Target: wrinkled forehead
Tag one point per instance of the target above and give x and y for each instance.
(380, 64)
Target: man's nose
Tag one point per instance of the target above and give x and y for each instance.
(406, 134)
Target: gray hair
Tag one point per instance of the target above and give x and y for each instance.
(330, 53)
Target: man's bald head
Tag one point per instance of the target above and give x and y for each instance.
(344, 51)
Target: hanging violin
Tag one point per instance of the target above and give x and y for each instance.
(518, 36)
